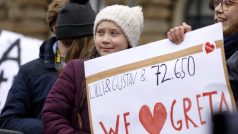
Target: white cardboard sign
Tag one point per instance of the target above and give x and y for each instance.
(16, 49)
(160, 88)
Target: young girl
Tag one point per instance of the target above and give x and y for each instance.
(116, 28)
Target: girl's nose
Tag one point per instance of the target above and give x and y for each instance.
(106, 39)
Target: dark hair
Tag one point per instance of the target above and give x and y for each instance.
(211, 5)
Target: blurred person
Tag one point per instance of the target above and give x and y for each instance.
(35, 79)
(32, 84)
(225, 123)
(116, 28)
(74, 28)
(211, 5)
(225, 11)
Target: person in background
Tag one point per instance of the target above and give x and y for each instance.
(22, 111)
(211, 5)
(225, 11)
(116, 28)
(74, 27)
(34, 80)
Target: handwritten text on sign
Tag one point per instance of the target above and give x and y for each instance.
(16, 50)
(173, 92)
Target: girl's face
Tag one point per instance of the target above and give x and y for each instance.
(109, 38)
(226, 11)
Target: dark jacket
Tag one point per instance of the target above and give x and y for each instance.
(231, 52)
(62, 105)
(22, 111)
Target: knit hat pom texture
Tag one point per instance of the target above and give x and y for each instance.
(129, 19)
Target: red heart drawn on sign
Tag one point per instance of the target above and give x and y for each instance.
(153, 124)
(209, 47)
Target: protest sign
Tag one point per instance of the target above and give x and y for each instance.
(160, 88)
(16, 50)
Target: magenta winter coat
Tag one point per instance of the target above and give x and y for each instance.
(60, 112)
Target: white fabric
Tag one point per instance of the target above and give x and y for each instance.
(129, 19)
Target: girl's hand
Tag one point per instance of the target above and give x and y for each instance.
(176, 34)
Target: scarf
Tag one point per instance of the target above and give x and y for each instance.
(231, 45)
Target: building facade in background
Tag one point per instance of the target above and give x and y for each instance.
(28, 17)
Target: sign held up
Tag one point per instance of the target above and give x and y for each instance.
(16, 49)
(160, 88)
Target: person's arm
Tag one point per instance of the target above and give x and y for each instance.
(56, 114)
(17, 107)
(176, 34)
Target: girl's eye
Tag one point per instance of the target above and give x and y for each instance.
(114, 33)
(99, 32)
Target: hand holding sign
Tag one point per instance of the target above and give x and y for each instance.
(185, 85)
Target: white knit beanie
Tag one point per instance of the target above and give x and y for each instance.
(129, 19)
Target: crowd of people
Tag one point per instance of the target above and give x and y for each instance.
(44, 97)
